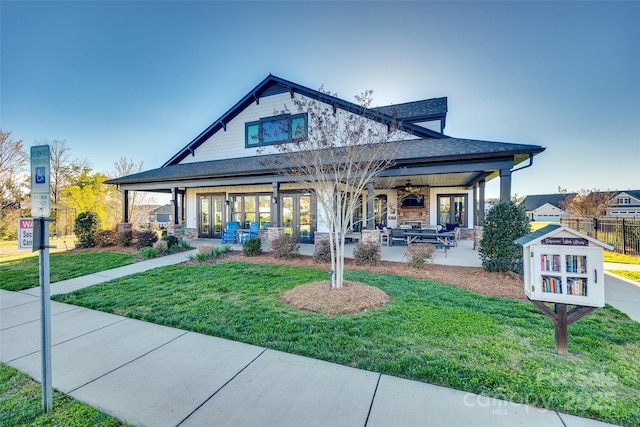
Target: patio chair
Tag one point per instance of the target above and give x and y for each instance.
(252, 232)
(229, 233)
(397, 235)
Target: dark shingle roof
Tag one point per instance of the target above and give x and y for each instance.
(424, 150)
(533, 202)
(273, 85)
(412, 111)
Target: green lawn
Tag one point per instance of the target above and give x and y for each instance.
(23, 273)
(21, 405)
(429, 332)
(621, 258)
(632, 275)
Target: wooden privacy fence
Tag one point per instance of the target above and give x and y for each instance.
(621, 233)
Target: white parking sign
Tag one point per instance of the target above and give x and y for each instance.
(40, 185)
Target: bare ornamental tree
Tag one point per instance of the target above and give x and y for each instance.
(342, 153)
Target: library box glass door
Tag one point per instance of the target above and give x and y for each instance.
(210, 216)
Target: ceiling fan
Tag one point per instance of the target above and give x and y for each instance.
(410, 189)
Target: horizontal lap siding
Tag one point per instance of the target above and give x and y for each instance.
(229, 144)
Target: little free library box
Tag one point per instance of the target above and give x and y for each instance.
(563, 266)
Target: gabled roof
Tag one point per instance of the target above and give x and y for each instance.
(275, 85)
(533, 202)
(416, 111)
(424, 151)
(632, 193)
(557, 230)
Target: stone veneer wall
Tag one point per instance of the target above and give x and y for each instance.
(477, 237)
(419, 215)
(124, 226)
(273, 233)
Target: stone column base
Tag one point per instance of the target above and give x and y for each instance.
(371, 236)
(124, 227)
(274, 233)
(175, 230)
(477, 236)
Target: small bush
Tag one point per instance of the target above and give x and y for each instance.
(105, 238)
(142, 239)
(171, 240)
(367, 253)
(201, 257)
(286, 247)
(125, 238)
(86, 226)
(148, 252)
(252, 246)
(322, 252)
(160, 246)
(184, 244)
(420, 255)
(205, 249)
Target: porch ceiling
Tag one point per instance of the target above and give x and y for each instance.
(436, 180)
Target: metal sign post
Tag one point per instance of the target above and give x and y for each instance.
(40, 210)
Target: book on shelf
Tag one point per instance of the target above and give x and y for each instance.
(551, 284)
(550, 262)
(577, 286)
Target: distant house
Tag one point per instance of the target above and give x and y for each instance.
(625, 204)
(161, 217)
(545, 207)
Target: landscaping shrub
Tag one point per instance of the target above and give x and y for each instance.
(420, 255)
(286, 247)
(505, 222)
(125, 238)
(171, 240)
(184, 244)
(252, 246)
(367, 253)
(105, 238)
(145, 238)
(85, 228)
(149, 252)
(205, 249)
(322, 252)
(160, 246)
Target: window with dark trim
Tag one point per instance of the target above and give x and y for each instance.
(276, 130)
(248, 208)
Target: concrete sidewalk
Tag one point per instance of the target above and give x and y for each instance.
(151, 375)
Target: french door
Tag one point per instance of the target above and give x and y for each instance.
(298, 216)
(452, 209)
(211, 216)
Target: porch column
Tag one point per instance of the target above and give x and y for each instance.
(475, 205)
(125, 206)
(275, 211)
(174, 196)
(182, 196)
(481, 196)
(371, 218)
(505, 185)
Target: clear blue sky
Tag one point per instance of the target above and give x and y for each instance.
(141, 79)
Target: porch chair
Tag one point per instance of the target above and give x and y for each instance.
(252, 232)
(229, 233)
(397, 235)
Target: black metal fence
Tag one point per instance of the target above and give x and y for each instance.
(621, 233)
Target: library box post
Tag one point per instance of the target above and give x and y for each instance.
(563, 266)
